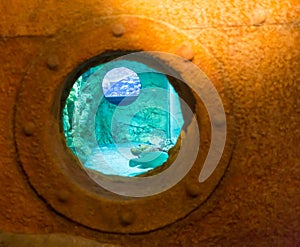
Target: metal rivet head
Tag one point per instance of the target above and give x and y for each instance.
(53, 62)
(63, 196)
(192, 190)
(218, 120)
(186, 51)
(127, 218)
(259, 17)
(118, 30)
(28, 128)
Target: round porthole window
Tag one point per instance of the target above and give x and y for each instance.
(69, 118)
(122, 118)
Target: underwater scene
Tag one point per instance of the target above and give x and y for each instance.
(121, 118)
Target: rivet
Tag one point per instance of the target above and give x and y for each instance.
(28, 128)
(127, 218)
(53, 62)
(259, 17)
(192, 190)
(186, 51)
(118, 30)
(218, 120)
(63, 196)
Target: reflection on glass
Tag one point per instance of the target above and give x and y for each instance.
(126, 124)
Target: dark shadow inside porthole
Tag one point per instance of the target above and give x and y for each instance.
(122, 117)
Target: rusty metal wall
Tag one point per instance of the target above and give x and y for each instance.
(255, 45)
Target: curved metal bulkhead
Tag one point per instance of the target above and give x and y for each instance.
(233, 178)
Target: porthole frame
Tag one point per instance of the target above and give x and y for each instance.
(50, 166)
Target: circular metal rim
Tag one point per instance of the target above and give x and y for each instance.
(49, 165)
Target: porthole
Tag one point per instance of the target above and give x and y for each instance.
(123, 204)
(119, 122)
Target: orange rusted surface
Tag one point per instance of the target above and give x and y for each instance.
(255, 43)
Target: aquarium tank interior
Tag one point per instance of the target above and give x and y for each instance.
(121, 118)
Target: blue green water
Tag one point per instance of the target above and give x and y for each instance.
(102, 133)
(113, 159)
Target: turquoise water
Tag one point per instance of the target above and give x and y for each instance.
(113, 159)
(101, 132)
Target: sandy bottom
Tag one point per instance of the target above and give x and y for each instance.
(113, 159)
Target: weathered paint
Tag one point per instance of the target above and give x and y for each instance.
(257, 45)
